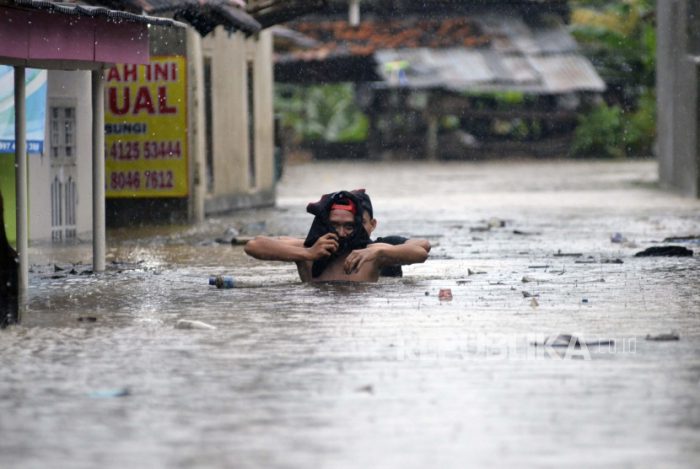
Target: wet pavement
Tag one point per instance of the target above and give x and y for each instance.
(374, 375)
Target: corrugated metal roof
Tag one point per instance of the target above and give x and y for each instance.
(567, 72)
(461, 70)
(507, 53)
(92, 11)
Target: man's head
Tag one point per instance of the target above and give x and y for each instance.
(342, 215)
(346, 213)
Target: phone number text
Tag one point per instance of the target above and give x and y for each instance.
(132, 151)
(141, 180)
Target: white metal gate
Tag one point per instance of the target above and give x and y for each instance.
(64, 197)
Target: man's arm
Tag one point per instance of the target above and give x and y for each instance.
(386, 254)
(290, 249)
(424, 243)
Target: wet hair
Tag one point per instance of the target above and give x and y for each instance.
(365, 201)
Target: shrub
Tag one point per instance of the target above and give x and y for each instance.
(599, 133)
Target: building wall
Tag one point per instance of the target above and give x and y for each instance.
(64, 88)
(230, 55)
(677, 98)
(264, 111)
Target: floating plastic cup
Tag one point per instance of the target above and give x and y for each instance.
(221, 281)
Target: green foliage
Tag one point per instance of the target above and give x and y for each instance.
(323, 112)
(498, 100)
(640, 127)
(610, 132)
(599, 133)
(619, 37)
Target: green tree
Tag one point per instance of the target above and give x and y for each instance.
(620, 39)
(322, 112)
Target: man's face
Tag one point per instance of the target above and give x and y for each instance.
(343, 222)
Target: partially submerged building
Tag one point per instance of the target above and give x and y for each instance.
(188, 134)
(47, 35)
(224, 157)
(482, 68)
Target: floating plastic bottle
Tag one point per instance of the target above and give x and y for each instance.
(221, 281)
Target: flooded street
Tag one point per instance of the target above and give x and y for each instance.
(374, 375)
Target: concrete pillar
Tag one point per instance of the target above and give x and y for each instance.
(354, 13)
(98, 172)
(678, 96)
(21, 186)
(197, 126)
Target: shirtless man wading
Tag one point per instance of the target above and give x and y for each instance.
(338, 246)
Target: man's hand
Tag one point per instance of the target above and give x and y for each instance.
(324, 246)
(386, 254)
(357, 258)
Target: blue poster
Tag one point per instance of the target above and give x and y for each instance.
(36, 109)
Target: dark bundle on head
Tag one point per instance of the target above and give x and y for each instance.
(321, 225)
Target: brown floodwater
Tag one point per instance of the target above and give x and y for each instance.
(374, 375)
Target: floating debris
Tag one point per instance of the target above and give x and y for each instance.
(229, 236)
(445, 294)
(683, 239)
(528, 279)
(87, 319)
(567, 254)
(618, 238)
(110, 393)
(368, 388)
(191, 324)
(241, 240)
(671, 251)
(664, 337)
(534, 303)
(222, 281)
(496, 222)
(527, 294)
(526, 233)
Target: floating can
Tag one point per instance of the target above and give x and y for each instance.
(221, 281)
(445, 294)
